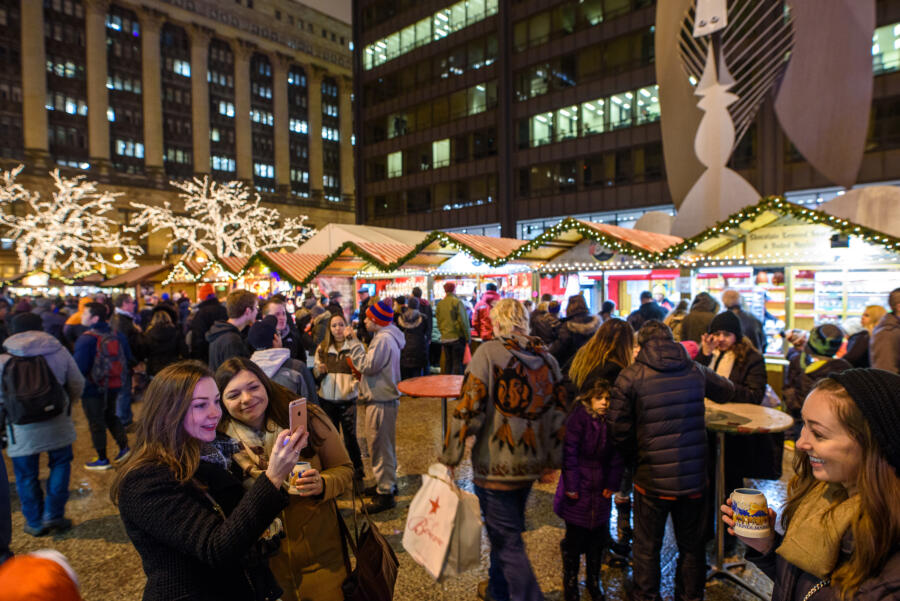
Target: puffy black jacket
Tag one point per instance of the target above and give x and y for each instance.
(574, 333)
(645, 313)
(208, 312)
(657, 417)
(163, 345)
(546, 327)
(415, 329)
(226, 341)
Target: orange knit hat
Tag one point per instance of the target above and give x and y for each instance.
(41, 576)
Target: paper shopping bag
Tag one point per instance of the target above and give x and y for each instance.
(464, 552)
(429, 524)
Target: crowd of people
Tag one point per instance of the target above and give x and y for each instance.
(205, 476)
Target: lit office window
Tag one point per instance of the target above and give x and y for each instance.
(567, 123)
(395, 164)
(620, 109)
(647, 104)
(886, 49)
(440, 153)
(542, 129)
(593, 113)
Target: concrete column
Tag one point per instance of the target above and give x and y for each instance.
(280, 66)
(151, 65)
(314, 77)
(97, 94)
(200, 37)
(34, 84)
(345, 111)
(243, 136)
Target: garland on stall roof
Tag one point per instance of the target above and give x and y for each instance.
(68, 281)
(193, 279)
(781, 205)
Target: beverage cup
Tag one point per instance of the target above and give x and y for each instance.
(751, 513)
(297, 472)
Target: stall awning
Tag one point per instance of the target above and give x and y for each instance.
(232, 265)
(135, 276)
(296, 268)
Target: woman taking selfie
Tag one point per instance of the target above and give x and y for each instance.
(310, 563)
(842, 528)
(197, 531)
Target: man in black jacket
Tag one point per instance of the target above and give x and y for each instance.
(657, 420)
(208, 312)
(123, 321)
(228, 339)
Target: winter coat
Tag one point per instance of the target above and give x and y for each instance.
(802, 374)
(320, 327)
(291, 340)
(645, 313)
(338, 383)
(574, 332)
(278, 366)
(590, 465)
(752, 328)
(187, 549)
(225, 341)
(657, 419)
(884, 347)
(380, 368)
(452, 319)
(53, 324)
(123, 322)
(759, 455)
(55, 432)
(86, 351)
(163, 345)
(415, 330)
(857, 353)
(546, 327)
(793, 584)
(517, 436)
(696, 322)
(208, 312)
(361, 331)
(427, 312)
(481, 317)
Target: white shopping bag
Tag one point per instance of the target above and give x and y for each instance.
(443, 528)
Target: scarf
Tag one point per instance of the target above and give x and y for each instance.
(813, 538)
(255, 446)
(220, 451)
(723, 363)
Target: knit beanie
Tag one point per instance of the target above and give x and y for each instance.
(381, 312)
(877, 394)
(263, 332)
(449, 287)
(728, 322)
(24, 322)
(692, 348)
(825, 339)
(43, 575)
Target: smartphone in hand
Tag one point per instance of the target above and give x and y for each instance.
(297, 415)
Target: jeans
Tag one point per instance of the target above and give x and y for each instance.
(343, 416)
(101, 415)
(124, 400)
(5, 513)
(650, 515)
(453, 357)
(510, 577)
(35, 507)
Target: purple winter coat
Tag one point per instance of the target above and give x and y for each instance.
(590, 464)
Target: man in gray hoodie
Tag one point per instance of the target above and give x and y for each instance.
(276, 360)
(53, 436)
(378, 394)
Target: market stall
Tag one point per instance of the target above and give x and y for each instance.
(199, 278)
(140, 280)
(41, 283)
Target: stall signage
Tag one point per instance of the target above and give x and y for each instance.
(805, 239)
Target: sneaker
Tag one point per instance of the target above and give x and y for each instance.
(123, 454)
(58, 524)
(98, 465)
(381, 503)
(39, 531)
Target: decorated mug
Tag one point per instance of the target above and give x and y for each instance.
(297, 472)
(751, 513)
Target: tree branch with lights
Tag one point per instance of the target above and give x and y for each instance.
(73, 232)
(221, 220)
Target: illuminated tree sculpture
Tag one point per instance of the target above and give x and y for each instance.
(221, 220)
(73, 232)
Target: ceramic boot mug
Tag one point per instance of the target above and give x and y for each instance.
(751, 513)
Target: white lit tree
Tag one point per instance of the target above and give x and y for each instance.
(72, 232)
(221, 220)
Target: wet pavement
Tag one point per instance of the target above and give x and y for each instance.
(110, 569)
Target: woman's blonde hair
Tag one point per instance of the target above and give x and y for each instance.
(160, 437)
(613, 342)
(509, 317)
(876, 529)
(160, 318)
(876, 312)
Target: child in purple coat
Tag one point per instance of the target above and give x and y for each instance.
(591, 473)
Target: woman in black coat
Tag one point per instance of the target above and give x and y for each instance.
(199, 535)
(163, 343)
(413, 357)
(574, 332)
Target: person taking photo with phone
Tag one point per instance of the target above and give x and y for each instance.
(841, 526)
(311, 557)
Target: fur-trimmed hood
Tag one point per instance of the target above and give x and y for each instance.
(411, 318)
(585, 325)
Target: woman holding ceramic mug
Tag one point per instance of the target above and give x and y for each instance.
(199, 534)
(310, 562)
(842, 527)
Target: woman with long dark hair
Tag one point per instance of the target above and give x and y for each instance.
(196, 529)
(310, 563)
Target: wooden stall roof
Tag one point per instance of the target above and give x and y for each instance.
(136, 276)
(233, 265)
(293, 267)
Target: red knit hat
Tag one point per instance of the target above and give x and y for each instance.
(381, 312)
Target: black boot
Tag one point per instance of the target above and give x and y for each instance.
(622, 546)
(381, 503)
(571, 562)
(593, 561)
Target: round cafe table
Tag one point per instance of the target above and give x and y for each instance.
(440, 386)
(743, 419)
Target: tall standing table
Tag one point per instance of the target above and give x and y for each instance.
(440, 386)
(742, 419)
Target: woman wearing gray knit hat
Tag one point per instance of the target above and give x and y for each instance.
(842, 527)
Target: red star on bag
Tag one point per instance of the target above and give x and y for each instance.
(434, 505)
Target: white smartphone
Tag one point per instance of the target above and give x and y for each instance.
(297, 415)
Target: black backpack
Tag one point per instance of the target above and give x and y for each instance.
(31, 391)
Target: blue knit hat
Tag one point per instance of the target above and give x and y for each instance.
(381, 312)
